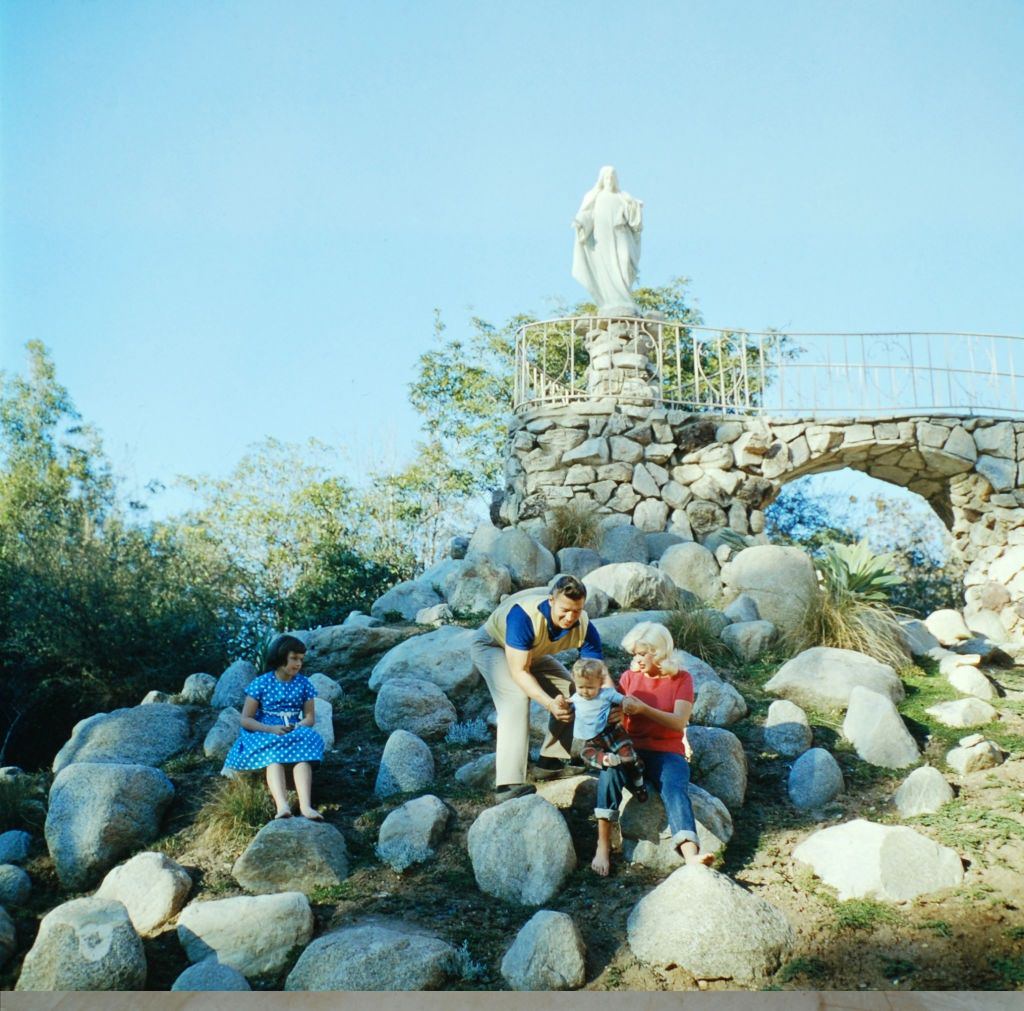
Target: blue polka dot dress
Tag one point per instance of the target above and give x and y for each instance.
(280, 702)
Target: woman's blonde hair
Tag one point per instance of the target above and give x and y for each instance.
(652, 636)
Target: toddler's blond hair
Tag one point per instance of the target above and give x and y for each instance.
(588, 670)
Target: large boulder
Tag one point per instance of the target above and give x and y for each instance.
(254, 934)
(350, 648)
(613, 627)
(85, 944)
(415, 705)
(411, 834)
(968, 680)
(963, 713)
(152, 887)
(702, 673)
(749, 639)
(99, 813)
(727, 933)
(786, 729)
(15, 885)
(781, 581)
(718, 704)
(140, 735)
(822, 678)
(373, 956)
(327, 688)
(919, 640)
(862, 859)
(924, 791)
(292, 854)
(948, 626)
(406, 599)
(624, 543)
(632, 585)
(692, 567)
(198, 689)
(529, 563)
(323, 722)
(646, 838)
(578, 562)
(210, 975)
(405, 766)
(14, 846)
(877, 731)
(222, 734)
(719, 764)
(521, 851)
(814, 779)
(440, 657)
(231, 685)
(547, 954)
(469, 585)
(479, 773)
(973, 753)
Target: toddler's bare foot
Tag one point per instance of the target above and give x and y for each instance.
(311, 814)
(601, 864)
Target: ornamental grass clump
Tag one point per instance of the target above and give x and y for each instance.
(852, 611)
(695, 631)
(235, 810)
(576, 524)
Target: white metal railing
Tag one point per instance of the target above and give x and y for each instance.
(698, 368)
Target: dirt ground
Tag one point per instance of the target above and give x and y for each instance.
(968, 938)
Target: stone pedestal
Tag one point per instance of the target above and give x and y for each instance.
(620, 366)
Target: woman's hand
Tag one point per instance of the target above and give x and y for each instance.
(633, 706)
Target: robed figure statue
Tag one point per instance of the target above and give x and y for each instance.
(607, 248)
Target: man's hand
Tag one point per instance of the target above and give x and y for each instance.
(561, 709)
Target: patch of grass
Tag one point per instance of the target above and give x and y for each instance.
(467, 968)
(1011, 969)
(188, 762)
(574, 525)
(468, 733)
(345, 891)
(940, 927)
(1015, 933)
(862, 914)
(21, 803)
(848, 622)
(809, 968)
(696, 632)
(897, 968)
(961, 825)
(613, 977)
(235, 810)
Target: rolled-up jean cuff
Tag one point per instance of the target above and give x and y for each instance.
(605, 814)
(685, 836)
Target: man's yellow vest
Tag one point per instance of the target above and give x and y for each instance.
(542, 642)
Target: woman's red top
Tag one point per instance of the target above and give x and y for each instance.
(659, 693)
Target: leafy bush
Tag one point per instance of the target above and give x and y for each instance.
(471, 732)
(854, 570)
(576, 524)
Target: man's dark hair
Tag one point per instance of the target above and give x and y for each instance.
(277, 654)
(569, 586)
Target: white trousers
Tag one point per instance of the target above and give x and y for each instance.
(513, 707)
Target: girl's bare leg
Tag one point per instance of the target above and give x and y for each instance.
(602, 861)
(303, 773)
(692, 855)
(278, 789)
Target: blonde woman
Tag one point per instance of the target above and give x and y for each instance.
(659, 699)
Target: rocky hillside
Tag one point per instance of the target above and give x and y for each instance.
(867, 818)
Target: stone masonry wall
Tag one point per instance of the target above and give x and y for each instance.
(694, 474)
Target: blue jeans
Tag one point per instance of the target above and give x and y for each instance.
(669, 774)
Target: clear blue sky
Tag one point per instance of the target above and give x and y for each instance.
(230, 219)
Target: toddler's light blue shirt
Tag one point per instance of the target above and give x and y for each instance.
(592, 714)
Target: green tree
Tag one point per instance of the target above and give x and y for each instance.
(95, 606)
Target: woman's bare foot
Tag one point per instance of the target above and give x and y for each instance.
(282, 813)
(602, 862)
(700, 860)
(311, 814)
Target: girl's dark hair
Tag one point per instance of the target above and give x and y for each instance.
(277, 655)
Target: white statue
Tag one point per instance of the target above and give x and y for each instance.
(607, 248)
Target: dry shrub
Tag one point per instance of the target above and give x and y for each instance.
(235, 810)
(847, 622)
(694, 631)
(577, 524)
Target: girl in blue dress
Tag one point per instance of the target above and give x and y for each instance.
(277, 728)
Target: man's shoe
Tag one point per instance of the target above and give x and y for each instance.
(513, 790)
(547, 768)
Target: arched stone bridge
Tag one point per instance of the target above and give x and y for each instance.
(695, 473)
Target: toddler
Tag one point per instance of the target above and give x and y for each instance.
(605, 745)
